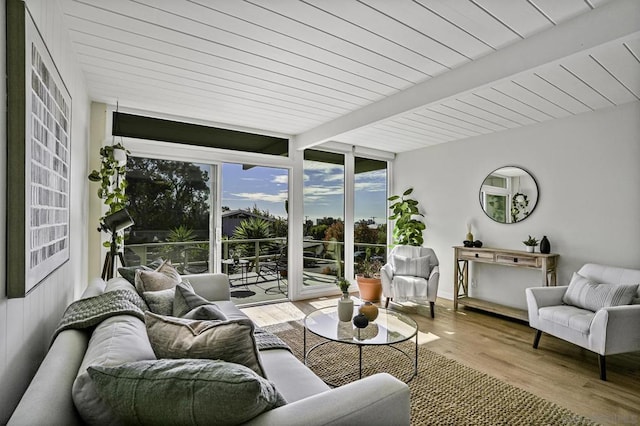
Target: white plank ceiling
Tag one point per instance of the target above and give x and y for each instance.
(392, 75)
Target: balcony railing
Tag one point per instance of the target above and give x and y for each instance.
(193, 256)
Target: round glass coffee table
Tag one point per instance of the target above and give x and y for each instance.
(388, 329)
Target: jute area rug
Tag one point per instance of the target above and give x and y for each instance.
(444, 392)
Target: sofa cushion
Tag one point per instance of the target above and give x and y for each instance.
(412, 266)
(129, 272)
(587, 294)
(118, 339)
(160, 302)
(231, 341)
(293, 379)
(188, 304)
(572, 317)
(185, 392)
(164, 277)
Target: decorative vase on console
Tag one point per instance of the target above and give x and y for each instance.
(345, 308)
(545, 246)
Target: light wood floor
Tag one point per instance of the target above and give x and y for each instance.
(557, 370)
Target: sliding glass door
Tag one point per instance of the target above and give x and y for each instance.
(323, 228)
(170, 204)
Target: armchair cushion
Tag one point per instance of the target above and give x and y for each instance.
(415, 267)
(590, 295)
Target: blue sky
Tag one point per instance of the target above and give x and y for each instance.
(323, 187)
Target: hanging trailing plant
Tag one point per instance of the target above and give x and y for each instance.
(113, 183)
(408, 227)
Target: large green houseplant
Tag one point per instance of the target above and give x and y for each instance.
(113, 183)
(408, 224)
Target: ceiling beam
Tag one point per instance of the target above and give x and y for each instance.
(614, 21)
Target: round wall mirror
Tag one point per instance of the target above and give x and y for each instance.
(509, 194)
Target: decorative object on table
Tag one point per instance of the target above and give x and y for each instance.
(469, 234)
(545, 245)
(477, 243)
(345, 304)
(408, 227)
(38, 164)
(368, 278)
(360, 321)
(468, 243)
(369, 310)
(531, 244)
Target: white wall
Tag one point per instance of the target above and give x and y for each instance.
(588, 171)
(26, 324)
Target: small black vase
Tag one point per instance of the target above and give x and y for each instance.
(545, 246)
(360, 321)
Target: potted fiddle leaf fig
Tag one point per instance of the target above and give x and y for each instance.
(409, 225)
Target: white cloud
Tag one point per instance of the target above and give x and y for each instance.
(261, 196)
(370, 186)
(280, 179)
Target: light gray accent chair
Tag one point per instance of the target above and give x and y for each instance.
(399, 286)
(605, 331)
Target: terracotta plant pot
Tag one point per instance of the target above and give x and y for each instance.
(370, 288)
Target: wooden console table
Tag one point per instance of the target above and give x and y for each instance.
(545, 263)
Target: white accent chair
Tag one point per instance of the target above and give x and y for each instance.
(599, 311)
(411, 273)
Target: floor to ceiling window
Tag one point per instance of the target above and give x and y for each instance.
(370, 211)
(323, 229)
(255, 230)
(170, 204)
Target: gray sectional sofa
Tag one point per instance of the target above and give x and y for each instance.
(378, 399)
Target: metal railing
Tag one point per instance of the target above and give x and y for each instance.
(190, 256)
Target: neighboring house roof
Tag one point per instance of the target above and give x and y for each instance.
(243, 214)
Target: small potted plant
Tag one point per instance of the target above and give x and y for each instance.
(345, 304)
(531, 244)
(344, 286)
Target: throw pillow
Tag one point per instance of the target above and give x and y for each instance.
(587, 294)
(164, 277)
(412, 266)
(185, 392)
(160, 302)
(187, 304)
(231, 341)
(129, 272)
(206, 312)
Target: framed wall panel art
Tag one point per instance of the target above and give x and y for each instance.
(38, 157)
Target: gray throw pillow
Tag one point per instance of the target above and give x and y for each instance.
(231, 341)
(586, 294)
(185, 392)
(160, 302)
(412, 266)
(186, 300)
(164, 277)
(129, 272)
(206, 312)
